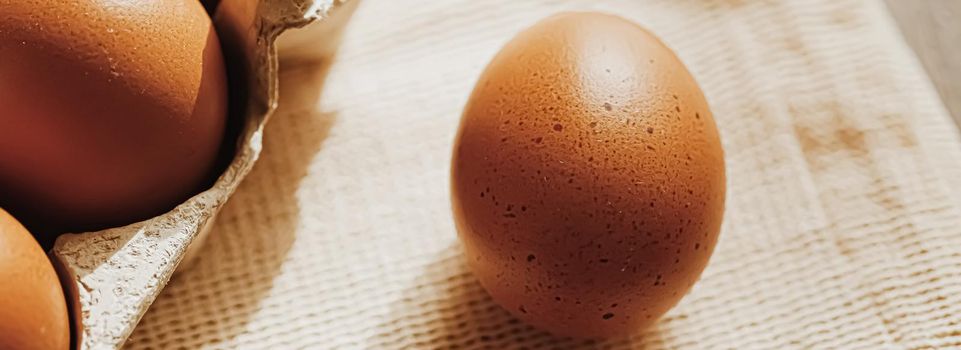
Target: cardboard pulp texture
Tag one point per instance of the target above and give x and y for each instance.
(112, 276)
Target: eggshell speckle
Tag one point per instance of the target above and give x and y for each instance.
(588, 177)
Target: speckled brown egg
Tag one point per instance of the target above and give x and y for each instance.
(588, 177)
(110, 111)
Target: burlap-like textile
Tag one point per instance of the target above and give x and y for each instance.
(842, 229)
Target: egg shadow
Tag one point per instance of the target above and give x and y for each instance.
(213, 300)
(447, 308)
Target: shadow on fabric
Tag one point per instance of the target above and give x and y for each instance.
(214, 300)
(447, 308)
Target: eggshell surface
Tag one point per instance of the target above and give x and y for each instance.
(588, 177)
(33, 311)
(110, 111)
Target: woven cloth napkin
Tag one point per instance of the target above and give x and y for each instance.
(842, 228)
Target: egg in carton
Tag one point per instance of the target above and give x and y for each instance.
(112, 276)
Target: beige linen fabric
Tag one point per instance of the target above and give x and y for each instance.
(842, 229)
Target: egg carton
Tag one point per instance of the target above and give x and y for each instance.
(112, 276)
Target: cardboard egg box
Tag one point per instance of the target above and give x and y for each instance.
(112, 276)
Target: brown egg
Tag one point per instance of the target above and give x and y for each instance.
(588, 177)
(33, 311)
(111, 112)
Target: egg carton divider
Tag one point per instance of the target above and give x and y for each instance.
(112, 276)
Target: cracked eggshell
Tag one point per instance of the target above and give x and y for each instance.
(588, 177)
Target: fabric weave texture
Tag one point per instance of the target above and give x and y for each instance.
(843, 220)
